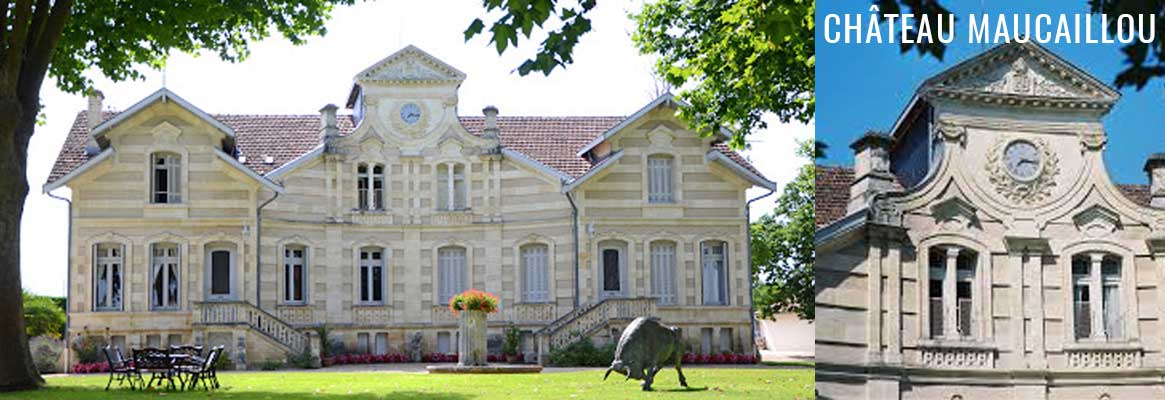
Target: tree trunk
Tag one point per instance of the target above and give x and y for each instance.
(17, 122)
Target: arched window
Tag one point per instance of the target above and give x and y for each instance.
(164, 276)
(372, 275)
(108, 267)
(535, 272)
(1097, 309)
(165, 177)
(295, 274)
(370, 186)
(951, 291)
(451, 272)
(612, 268)
(714, 270)
(451, 189)
(663, 271)
(660, 187)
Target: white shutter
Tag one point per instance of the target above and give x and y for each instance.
(663, 272)
(443, 187)
(659, 179)
(535, 274)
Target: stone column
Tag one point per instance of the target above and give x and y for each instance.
(874, 301)
(1035, 260)
(1094, 297)
(894, 303)
(472, 349)
(950, 302)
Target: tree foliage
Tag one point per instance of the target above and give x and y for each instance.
(1145, 61)
(43, 316)
(783, 250)
(735, 60)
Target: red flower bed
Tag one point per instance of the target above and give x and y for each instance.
(725, 358)
(366, 359)
(91, 368)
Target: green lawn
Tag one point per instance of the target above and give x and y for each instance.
(753, 383)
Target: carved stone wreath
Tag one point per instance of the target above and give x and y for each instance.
(1023, 192)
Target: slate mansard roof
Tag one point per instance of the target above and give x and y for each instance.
(831, 193)
(552, 141)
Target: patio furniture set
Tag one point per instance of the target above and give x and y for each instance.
(184, 363)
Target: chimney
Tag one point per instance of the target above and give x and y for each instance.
(328, 128)
(871, 169)
(1155, 168)
(94, 118)
(491, 122)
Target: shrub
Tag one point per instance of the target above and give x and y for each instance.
(582, 353)
(88, 348)
(224, 363)
(271, 365)
(43, 316)
(473, 299)
(513, 340)
(46, 353)
(303, 360)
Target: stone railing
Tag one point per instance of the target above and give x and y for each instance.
(584, 321)
(459, 217)
(1104, 358)
(528, 313)
(372, 315)
(958, 357)
(296, 315)
(243, 313)
(441, 314)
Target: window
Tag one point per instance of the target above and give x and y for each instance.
(451, 193)
(725, 340)
(443, 343)
(164, 276)
(714, 261)
(612, 268)
(370, 186)
(154, 341)
(165, 177)
(535, 273)
(109, 262)
(174, 339)
(659, 179)
(451, 272)
(663, 267)
(382, 343)
(362, 343)
(371, 275)
(706, 340)
(951, 291)
(1096, 297)
(294, 274)
(220, 270)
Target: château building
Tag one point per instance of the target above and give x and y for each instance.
(252, 230)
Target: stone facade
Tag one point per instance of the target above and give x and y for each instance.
(365, 222)
(985, 252)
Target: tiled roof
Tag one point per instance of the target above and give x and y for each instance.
(832, 193)
(552, 141)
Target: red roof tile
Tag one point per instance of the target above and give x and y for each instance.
(552, 141)
(831, 193)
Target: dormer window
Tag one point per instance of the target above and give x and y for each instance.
(451, 193)
(660, 187)
(370, 186)
(164, 178)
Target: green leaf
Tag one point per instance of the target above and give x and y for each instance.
(474, 28)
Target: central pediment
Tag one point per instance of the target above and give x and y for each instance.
(1020, 73)
(410, 64)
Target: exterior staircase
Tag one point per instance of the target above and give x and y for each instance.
(241, 313)
(589, 319)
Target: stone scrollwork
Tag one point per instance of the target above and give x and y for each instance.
(886, 212)
(1093, 140)
(1020, 191)
(950, 132)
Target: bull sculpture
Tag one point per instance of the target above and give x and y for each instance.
(646, 347)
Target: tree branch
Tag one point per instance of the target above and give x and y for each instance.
(40, 53)
(39, 12)
(16, 42)
(3, 24)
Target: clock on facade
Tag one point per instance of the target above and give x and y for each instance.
(1022, 159)
(410, 113)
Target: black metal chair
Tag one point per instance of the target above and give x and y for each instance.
(183, 359)
(206, 372)
(155, 362)
(119, 368)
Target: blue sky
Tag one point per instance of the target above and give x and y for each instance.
(866, 86)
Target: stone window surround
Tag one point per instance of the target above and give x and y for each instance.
(451, 184)
(370, 192)
(235, 277)
(178, 182)
(674, 266)
(180, 257)
(980, 297)
(384, 257)
(1128, 301)
(950, 281)
(624, 247)
(306, 263)
(551, 252)
(467, 270)
(725, 274)
(673, 184)
(120, 260)
(527, 295)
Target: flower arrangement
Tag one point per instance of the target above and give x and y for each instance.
(473, 300)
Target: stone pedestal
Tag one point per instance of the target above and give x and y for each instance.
(472, 350)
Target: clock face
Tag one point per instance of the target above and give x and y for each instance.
(1022, 159)
(410, 113)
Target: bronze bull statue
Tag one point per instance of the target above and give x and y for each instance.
(646, 347)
